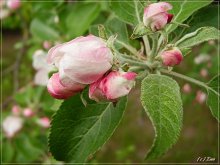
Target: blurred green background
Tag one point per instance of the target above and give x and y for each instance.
(25, 30)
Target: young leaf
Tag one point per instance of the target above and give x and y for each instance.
(130, 12)
(78, 131)
(160, 97)
(140, 30)
(213, 100)
(43, 31)
(183, 9)
(200, 35)
(114, 26)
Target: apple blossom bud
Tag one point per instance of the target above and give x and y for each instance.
(15, 110)
(11, 125)
(28, 112)
(200, 97)
(13, 4)
(171, 57)
(44, 122)
(156, 16)
(83, 60)
(47, 44)
(186, 88)
(59, 90)
(116, 84)
(204, 72)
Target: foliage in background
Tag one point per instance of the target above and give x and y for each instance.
(60, 24)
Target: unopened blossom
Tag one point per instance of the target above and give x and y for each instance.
(203, 72)
(13, 4)
(28, 112)
(42, 68)
(112, 86)
(172, 57)
(156, 15)
(200, 97)
(11, 125)
(62, 91)
(83, 60)
(186, 88)
(44, 122)
(15, 110)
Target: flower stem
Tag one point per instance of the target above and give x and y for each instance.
(146, 44)
(154, 47)
(128, 47)
(189, 79)
(145, 38)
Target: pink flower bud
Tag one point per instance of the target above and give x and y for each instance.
(44, 122)
(11, 125)
(156, 16)
(171, 57)
(200, 97)
(15, 110)
(47, 44)
(186, 88)
(59, 90)
(28, 112)
(83, 60)
(204, 72)
(114, 85)
(13, 4)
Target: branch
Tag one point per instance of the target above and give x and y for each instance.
(189, 79)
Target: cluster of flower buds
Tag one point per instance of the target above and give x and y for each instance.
(86, 61)
(156, 18)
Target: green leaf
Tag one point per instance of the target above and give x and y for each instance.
(27, 149)
(7, 151)
(78, 131)
(114, 26)
(160, 97)
(200, 35)
(81, 17)
(209, 18)
(130, 12)
(183, 9)
(42, 31)
(140, 30)
(213, 100)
